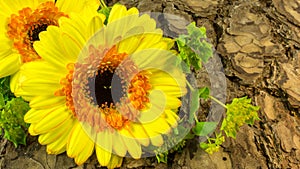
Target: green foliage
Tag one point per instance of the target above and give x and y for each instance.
(204, 128)
(239, 112)
(213, 144)
(163, 157)
(5, 89)
(194, 102)
(105, 11)
(193, 48)
(12, 111)
(204, 93)
(171, 140)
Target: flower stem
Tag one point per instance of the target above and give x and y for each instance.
(195, 117)
(218, 101)
(189, 85)
(102, 5)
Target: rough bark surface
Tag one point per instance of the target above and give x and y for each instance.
(258, 42)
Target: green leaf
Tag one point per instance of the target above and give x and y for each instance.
(204, 128)
(203, 145)
(204, 93)
(213, 144)
(194, 48)
(16, 135)
(189, 136)
(5, 89)
(2, 102)
(105, 11)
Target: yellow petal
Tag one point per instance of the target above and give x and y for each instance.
(159, 126)
(150, 39)
(132, 146)
(139, 133)
(104, 147)
(95, 25)
(6, 46)
(85, 153)
(172, 118)
(60, 131)
(14, 81)
(59, 144)
(157, 140)
(30, 130)
(10, 65)
(47, 102)
(117, 12)
(79, 145)
(35, 116)
(132, 11)
(55, 149)
(68, 6)
(49, 48)
(118, 145)
(103, 156)
(115, 162)
(157, 106)
(129, 45)
(6, 9)
(44, 81)
(75, 29)
(52, 120)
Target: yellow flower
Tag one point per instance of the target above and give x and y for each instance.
(21, 22)
(116, 93)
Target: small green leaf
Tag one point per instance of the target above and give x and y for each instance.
(204, 93)
(203, 145)
(5, 89)
(189, 136)
(213, 144)
(194, 48)
(105, 11)
(2, 102)
(204, 128)
(16, 135)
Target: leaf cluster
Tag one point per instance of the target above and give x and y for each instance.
(213, 144)
(12, 111)
(194, 48)
(239, 112)
(176, 143)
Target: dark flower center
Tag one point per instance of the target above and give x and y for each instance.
(34, 32)
(107, 92)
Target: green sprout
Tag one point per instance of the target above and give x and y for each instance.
(193, 51)
(163, 152)
(239, 112)
(213, 144)
(105, 10)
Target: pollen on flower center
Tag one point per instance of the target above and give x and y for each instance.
(103, 87)
(33, 33)
(24, 27)
(100, 102)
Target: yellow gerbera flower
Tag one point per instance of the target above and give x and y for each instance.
(21, 21)
(115, 93)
